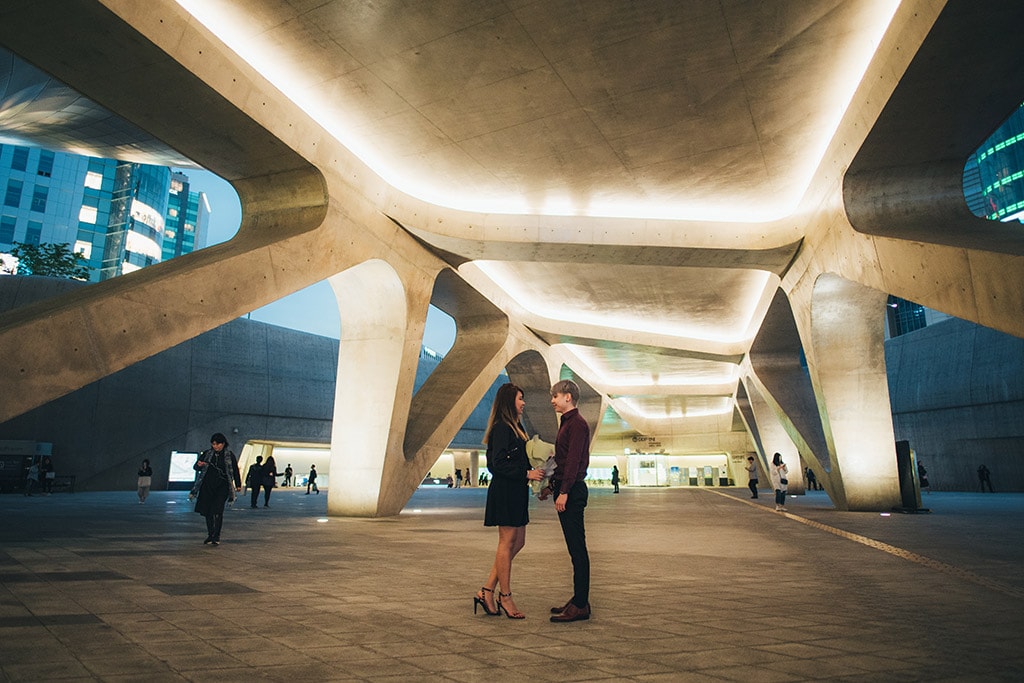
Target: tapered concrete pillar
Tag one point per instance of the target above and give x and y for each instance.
(776, 378)
(841, 325)
(772, 435)
(382, 325)
(385, 438)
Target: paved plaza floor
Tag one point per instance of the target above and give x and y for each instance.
(688, 585)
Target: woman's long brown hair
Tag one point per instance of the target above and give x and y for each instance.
(504, 410)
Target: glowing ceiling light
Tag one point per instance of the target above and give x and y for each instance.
(556, 310)
(235, 27)
(593, 361)
(678, 412)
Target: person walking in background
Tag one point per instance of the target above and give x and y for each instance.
(145, 481)
(218, 481)
(269, 481)
(311, 481)
(572, 457)
(508, 498)
(922, 477)
(47, 475)
(812, 481)
(983, 479)
(458, 478)
(466, 478)
(253, 481)
(615, 478)
(779, 472)
(288, 474)
(32, 478)
(752, 476)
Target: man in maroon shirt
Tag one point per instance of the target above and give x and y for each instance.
(572, 456)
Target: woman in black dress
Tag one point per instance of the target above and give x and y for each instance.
(218, 481)
(508, 496)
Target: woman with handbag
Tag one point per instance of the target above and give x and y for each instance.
(779, 471)
(508, 497)
(219, 480)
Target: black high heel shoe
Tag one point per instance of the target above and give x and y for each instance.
(479, 600)
(511, 615)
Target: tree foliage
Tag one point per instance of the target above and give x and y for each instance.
(51, 259)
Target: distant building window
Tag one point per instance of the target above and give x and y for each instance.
(84, 248)
(173, 213)
(45, 163)
(905, 316)
(13, 196)
(39, 195)
(7, 225)
(35, 230)
(19, 162)
(87, 214)
(94, 180)
(176, 186)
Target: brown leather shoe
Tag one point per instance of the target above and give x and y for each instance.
(572, 613)
(560, 609)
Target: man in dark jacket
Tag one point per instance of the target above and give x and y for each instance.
(254, 479)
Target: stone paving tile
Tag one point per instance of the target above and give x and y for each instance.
(681, 580)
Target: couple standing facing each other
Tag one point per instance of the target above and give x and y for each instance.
(508, 496)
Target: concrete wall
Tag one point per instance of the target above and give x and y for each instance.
(957, 395)
(268, 382)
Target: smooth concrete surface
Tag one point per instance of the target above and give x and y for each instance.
(688, 585)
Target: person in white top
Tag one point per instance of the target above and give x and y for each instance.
(779, 471)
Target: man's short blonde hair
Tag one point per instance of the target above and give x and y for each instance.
(566, 386)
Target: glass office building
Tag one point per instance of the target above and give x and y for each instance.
(121, 216)
(994, 174)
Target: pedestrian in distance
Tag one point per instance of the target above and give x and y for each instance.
(458, 478)
(47, 475)
(289, 473)
(752, 476)
(508, 498)
(253, 481)
(31, 479)
(145, 481)
(269, 481)
(217, 483)
(311, 481)
(567, 485)
(984, 479)
(615, 478)
(922, 477)
(779, 473)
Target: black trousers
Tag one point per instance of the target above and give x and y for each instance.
(576, 542)
(254, 493)
(267, 488)
(213, 525)
(752, 485)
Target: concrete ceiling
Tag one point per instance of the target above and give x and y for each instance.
(687, 133)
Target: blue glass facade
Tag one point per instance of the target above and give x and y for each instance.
(119, 215)
(994, 174)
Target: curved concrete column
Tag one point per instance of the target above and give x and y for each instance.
(843, 332)
(382, 324)
(772, 434)
(529, 371)
(774, 369)
(385, 438)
